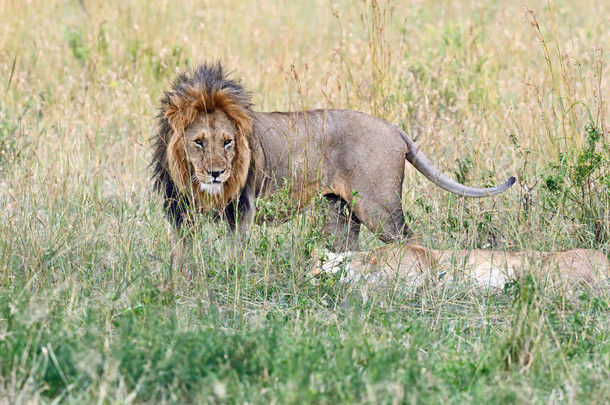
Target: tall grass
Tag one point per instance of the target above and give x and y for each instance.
(488, 89)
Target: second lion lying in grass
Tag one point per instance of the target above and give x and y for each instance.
(412, 265)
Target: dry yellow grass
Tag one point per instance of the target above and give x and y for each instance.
(81, 81)
(90, 73)
(85, 315)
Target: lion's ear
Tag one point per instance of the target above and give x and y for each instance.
(176, 111)
(177, 161)
(242, 117)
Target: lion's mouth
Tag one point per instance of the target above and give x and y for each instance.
(214, 187)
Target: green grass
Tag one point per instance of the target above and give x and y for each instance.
(87, 314)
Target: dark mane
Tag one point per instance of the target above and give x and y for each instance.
(200, 90)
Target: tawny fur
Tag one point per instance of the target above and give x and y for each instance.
(181, 108)
(406, 264)
(356, 161)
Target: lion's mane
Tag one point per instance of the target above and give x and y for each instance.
(204, 90)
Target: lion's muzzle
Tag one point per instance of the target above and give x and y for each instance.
(213, 182)
(212, 188)
(216, 176)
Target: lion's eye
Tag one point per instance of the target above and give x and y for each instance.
(228, 142)
(199, 142)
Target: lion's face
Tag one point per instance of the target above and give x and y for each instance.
(210, 144)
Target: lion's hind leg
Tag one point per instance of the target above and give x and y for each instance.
(386, 220)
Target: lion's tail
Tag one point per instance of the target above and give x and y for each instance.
(427, 168)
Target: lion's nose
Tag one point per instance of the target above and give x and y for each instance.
(215, 175)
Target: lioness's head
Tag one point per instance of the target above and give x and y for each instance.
(205, 125)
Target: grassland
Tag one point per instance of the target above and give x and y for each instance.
(487, 88)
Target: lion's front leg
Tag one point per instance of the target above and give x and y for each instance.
(181, 245)
(239, 214)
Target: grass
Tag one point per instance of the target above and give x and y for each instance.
(488, 89)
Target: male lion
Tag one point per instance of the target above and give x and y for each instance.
(412, 265)
(214, 153)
